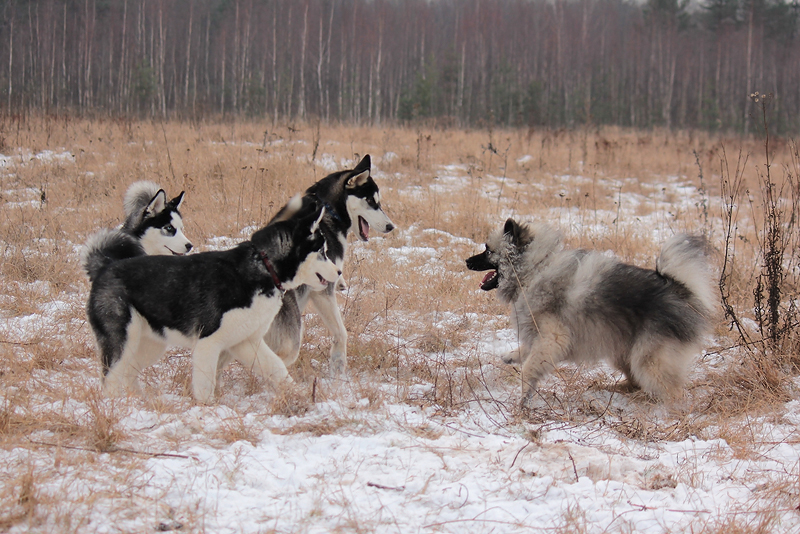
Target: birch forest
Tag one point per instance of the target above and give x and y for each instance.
(465, 63)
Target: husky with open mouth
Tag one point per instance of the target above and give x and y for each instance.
(352, 203)
(220, 302)
(582, 306)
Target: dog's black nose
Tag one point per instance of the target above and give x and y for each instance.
(188, 247)
(389, 227)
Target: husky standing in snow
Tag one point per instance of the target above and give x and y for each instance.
(210, 302)
(580, 305)
(352, 203)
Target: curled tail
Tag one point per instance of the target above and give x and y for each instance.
(138, 196)
(105, 247)
(291, 208)
(684, 258)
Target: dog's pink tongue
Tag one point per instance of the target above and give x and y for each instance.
(488, 277)
(363, 227)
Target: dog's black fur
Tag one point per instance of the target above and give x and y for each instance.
(348, 196)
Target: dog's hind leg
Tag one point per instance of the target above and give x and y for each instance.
(659, 367)
(123, 377)
(328, 309)
(286, 331)
(549, 348)
(255, 355)
(140, 352)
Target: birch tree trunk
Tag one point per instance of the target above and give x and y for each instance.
(749, 67)
(121, 90)
(378, 96)
(11, 62)
(320, 59)
(275, 63)
(188, 56)
(301, 110)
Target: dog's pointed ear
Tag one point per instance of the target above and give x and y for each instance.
(511, 228)
(177, 201)
(364, 165)
(360, 174)
(157, 204)
(520, 236)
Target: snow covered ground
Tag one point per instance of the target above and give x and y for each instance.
(379, 454)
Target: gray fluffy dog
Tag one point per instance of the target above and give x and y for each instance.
(582, 306)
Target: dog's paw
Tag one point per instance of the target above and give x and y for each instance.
(203, 389)
(338, 365)
(511, 357)
(624, 387)
(116, 386)
(526, 402)
(529, 389)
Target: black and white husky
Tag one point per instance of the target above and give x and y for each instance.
(211, 302)
(153, 226)
(153, 221)
(352, 203)
(580, 305)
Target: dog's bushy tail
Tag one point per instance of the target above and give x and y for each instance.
(291, 208)
(105, 247)
(137, 197)
(684, 258)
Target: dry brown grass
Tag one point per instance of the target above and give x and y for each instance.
(415, 322)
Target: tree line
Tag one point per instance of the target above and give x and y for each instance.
(549, 63)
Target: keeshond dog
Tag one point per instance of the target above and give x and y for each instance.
(583, 306)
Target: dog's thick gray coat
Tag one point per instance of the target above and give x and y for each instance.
(582, 306)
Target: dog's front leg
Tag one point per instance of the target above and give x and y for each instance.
(547, 350)
(328, 309)
(536, 366)
(205, 360)
(285, 334)
(527, 334)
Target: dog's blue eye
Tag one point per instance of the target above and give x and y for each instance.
(169, 229)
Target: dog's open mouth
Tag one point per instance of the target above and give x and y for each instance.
(363, 228)
(175, 253)
(490, 281)
(322, 279)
